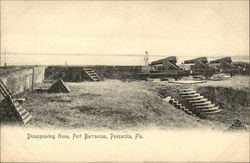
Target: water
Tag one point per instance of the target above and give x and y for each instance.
(94, 60)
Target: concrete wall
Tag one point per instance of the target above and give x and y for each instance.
(38, 75)
(76, 73)
(21, 80)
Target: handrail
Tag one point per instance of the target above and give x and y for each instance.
(4, 90)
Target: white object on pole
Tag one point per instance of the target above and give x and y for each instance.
(146, 58)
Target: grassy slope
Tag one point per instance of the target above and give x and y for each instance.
(108, 104)
(231, 95)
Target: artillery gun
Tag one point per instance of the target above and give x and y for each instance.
(201, 67)
(226, 66)
(162, 68)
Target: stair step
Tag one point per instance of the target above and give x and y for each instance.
(209, 109)
(87, 69)
(27, 119)
(199, 101)
(182, 107)
(205, 106)
(190, 95)
(15, 103)
(19, 107)
(195, 98)
(212, 112)
(188, 92)
(179, 106)
(91, 74)
(203, 103)
(25, 115)
(93, 77)
(21, 111)
(174, 101)
(185, 90)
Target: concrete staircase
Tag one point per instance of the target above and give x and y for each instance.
(13, 111)
(93, 76)
(178, 105)
(197, 103)
(24, 115)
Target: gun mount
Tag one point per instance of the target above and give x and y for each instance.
(168, 63)
(165, 67)
(201, 67)
(226, 65)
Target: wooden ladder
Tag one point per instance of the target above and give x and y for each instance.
(4, 90)
(93, 76)
(14, 105)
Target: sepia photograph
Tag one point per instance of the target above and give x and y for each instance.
(124, 81)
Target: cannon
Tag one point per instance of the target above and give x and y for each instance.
(225, 59)
(226, 65)
(200, 59)
(201, 67)
(163, 68)
(171, 59)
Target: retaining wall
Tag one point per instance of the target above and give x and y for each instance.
(20, 80)
(76, 73)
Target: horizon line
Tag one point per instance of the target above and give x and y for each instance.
(103, 54)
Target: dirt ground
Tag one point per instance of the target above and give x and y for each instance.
(113, 104)
(108, 104)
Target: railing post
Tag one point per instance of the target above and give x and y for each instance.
(32, 80)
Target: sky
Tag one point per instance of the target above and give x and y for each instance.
(163, 28)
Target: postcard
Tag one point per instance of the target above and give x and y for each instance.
(124, 81)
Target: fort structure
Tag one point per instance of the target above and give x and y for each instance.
(200, 66)
(165, 67)
(226, 65)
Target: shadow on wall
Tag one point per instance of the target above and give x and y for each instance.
(76, 73)
(21, 80)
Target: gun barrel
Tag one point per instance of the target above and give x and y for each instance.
(190, 61)
(171, 59)
(227, 59)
